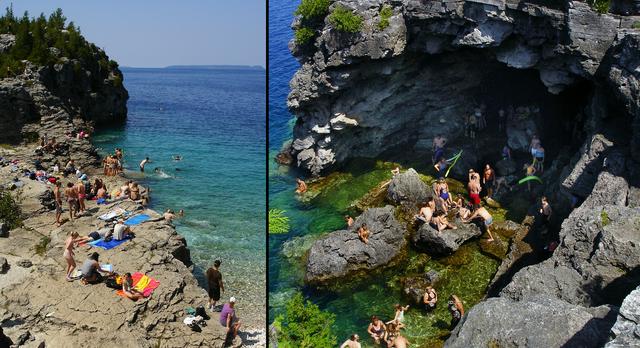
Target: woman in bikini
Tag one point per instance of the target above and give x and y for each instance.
(68, 254)
(398, 319)
(134, 191)
(377, 330)
(430, 299)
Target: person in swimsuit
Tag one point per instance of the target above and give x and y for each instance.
(545, 213)
(441, 167)
(80, 189)
(169, 215)
(489, 179)
(438, 148)
(540, 159)
(376, 329)
(349, 220)
(129, 290)
(444, 194)
(399, 342)
(134, 191)
(352, 342)
(529, 170)
(483, 214)
(72, 198)
(58, 198)
(398, 318)
(427, 210)
(301, 186)
(440, 223)
(456, 310)
(430, 299)
(69, 254)
(363, 233)
(474, 187)
(393, 330)
(395, 171)
(143, 163)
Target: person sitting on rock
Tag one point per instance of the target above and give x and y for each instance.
(127, 288)
(444, 195)
(430, 299)
(463, 208)
(301, 186)
(456, 309)
(482, 213)
(377, 330)
(229, 319)
(91, 270)
(363, 233)
(395, 171)
(440, 222)
(121, 231)
(426, 211)
(349, 220)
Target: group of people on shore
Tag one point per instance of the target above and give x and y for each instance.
(112, 164)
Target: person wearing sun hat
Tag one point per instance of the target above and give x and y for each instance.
(228, 317)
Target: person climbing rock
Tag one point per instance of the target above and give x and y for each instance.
(482, 213)
(363, 233)
(438, 148)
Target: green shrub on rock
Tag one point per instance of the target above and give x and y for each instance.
(310, 9)
(385, 13)
(304, 325)
(345, 20)
(278, 222)
(600, 6)
(10, 212)
(303, 35)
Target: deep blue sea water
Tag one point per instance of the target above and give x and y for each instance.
(215, 119)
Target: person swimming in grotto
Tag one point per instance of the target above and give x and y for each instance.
(430, 299)
(398, 318)
(377, 330)
(363, 233)
(301, 186)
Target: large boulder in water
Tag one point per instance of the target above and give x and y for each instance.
(445, 242)
(541, 321)
(407, 187)
(341, 253)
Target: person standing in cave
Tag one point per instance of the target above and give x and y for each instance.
(480, 119)
(438, 147)
(473, 126)
(489, 180)
(474, 187)
(529, 170)
(545, 213)
(539, 159)
(502, 120)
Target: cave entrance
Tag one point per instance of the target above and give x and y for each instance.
(558, 119)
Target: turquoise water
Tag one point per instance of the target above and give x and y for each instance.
(215, 120)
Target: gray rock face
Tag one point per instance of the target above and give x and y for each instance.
(586, 165)
(599, 253)
(506, 167)
(407, 187)
(376, 77)
(341, 253)
(539, 321)
(447, 241)
(625, 330)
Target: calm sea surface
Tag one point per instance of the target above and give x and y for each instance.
(214, 119)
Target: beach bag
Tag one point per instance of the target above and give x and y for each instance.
(200, 311)
(112, 282)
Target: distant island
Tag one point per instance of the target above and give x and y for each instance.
(211, 67)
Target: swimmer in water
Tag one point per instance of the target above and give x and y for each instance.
(301, 186)
(177, 158)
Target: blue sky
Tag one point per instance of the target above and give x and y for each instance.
(160, 32)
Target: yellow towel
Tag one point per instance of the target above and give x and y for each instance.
(142, 283)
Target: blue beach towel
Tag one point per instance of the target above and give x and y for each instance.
(107, 245)
(136, 220)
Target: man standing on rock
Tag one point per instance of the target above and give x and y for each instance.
(143, 163)
(482, 213)
(214, 278)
